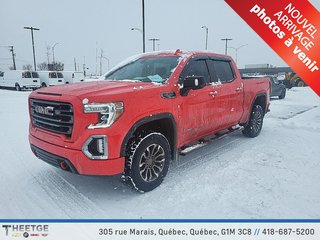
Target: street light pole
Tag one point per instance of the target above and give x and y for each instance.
(226, 39)
(34, 54)
(207, 31)
(54, 45)
(236, 49)
(154, 42)
(143, 29)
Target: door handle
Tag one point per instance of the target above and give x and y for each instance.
(214, 93)
(239, 89)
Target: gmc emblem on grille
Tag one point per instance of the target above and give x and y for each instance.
(44, 110)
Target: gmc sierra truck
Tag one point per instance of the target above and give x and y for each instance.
(137, 118)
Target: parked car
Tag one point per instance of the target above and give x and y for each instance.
(135, 121)
(51, 78)
(19, 79)
(73, 77)
(278, 89)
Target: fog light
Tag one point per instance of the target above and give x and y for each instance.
(96, 147)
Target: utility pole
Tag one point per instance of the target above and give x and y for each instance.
(226, 39)
(207, 32)
(75, 64)
(84, 65)
(154, 42)
(13, 57)
(48, 54)
(34, 54)
(143, 29)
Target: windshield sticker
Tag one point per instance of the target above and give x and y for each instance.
(155, 78)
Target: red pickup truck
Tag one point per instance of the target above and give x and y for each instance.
(145, 110)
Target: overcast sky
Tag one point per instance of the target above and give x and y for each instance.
(82, 27)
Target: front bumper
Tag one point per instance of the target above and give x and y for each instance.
(78, 162)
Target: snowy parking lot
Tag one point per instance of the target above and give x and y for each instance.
(275, 175)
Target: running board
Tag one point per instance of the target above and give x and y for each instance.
(184, 150)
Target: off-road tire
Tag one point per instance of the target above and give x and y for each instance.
(43, 85)
(283, 94)
(255, 123)
(147, 161)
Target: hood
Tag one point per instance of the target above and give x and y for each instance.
(85, 89)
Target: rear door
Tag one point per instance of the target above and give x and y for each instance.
(228, 92)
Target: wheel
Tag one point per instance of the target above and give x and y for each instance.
(18, 88)
(254, 126)
(147, 161)
(283, 94)
(43, 85)
(300, 83)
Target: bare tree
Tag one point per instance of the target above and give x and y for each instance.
(56, 66)
(27, 67)
(42, 66)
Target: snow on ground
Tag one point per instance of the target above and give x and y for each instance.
(275, 175)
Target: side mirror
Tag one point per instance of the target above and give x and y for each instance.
(194, 83)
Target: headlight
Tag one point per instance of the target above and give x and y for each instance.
(108, 113)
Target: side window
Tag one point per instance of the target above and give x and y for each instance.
(212, 71)
(53, 75)
(196, 68)
(27, 75)
(35, 75)
(223, 71)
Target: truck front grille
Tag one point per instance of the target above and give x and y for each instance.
(52, 116)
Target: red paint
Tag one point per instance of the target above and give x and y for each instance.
(196, 115)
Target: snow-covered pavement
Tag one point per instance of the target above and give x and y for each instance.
(275, 175)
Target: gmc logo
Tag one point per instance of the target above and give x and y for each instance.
(44, 110)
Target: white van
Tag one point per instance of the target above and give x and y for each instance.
(20, 79)
(51, 78)
(73, 77)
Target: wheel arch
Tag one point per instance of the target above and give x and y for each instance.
(163, 123)
(260, 99)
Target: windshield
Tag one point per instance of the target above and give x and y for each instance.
(149, 69)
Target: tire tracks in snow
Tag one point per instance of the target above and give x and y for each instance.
(65, 196)
(212, 152)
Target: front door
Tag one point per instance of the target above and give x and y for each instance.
(196, 108)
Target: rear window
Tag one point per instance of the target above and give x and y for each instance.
(60, 75)
(223, 71)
